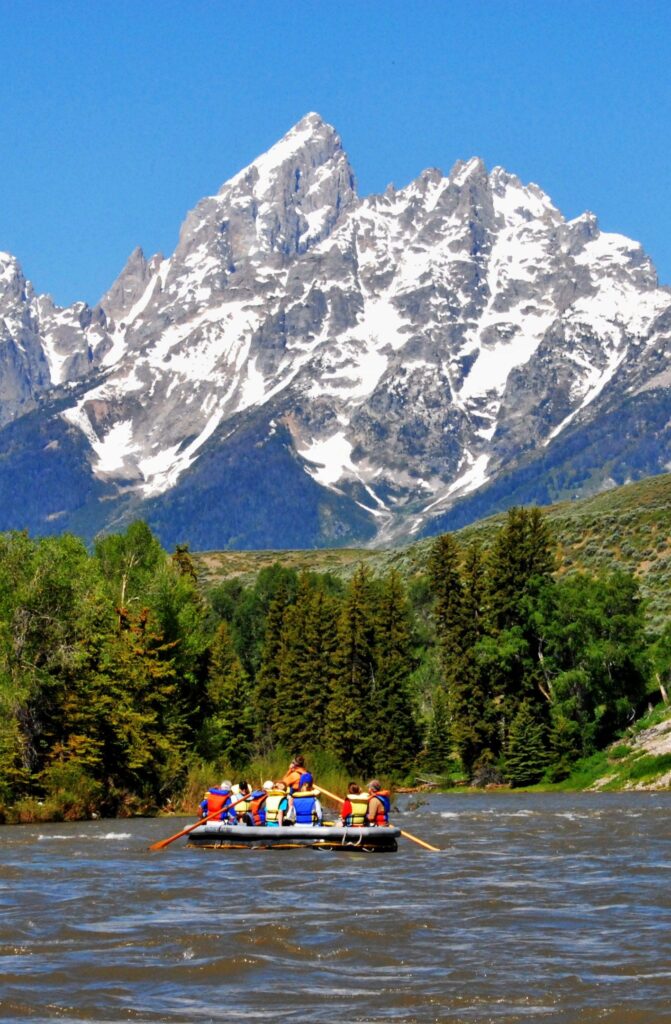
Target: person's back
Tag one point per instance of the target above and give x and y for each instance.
(218, 798)
(242, 804)
(295, 771)
(308, 809)
(379, 804)
(257, 804)
(277, 805)
(354, 811)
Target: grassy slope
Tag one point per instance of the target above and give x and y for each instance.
(628, 528)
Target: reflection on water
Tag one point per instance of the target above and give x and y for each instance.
(550, 908)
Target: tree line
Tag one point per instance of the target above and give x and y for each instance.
(119, 674)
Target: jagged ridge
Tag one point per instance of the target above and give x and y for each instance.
(393, 354)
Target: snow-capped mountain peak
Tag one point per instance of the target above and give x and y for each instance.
(408, 347)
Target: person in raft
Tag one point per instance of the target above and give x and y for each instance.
(257, 804)
(379, 804)
(293, 774)
(218, 798)
(307, 808)
(278, 806)
(354, 810)
(243, 802)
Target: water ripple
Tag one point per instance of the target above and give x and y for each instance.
(550, 908)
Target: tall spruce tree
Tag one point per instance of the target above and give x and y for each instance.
(309, 646)
(445, 577)
(226, 733)
(473, 723)
(526, 755)
(395, 731)
(350, 729)
(519, 572)
(267, 684)
(322, 640)
(296, 665)
(121, 722)
(459, 614)
(438, 750)
(520, 564)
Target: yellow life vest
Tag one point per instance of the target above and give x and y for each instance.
(359, 802)
(241, 807)
(273, 801)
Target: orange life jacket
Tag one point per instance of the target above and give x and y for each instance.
(292, 778)
(216, 801)
(255, 805)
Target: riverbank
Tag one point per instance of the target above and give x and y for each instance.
(639, 760)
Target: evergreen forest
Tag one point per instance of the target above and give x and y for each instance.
(126, 685)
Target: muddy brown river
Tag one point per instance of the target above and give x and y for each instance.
(550, 908)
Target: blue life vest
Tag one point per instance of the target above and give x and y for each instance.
(305, 804)
(382, 817)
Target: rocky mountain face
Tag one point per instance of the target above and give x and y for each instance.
(310, 367)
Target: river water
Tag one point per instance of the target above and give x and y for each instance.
(550, 908)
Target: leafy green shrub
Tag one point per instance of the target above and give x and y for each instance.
(71, 794)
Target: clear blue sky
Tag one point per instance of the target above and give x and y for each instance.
(116, 117)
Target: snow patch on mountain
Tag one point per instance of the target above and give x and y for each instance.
(416, 342)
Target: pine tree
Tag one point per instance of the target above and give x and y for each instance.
(322, 634)
(520, 563)
(291, 715)
(526, 755)
(474, 599)
(121, 721)
(395, 736)
(227, 730)
(349, 733)
(179, 614)
(438, 749)
(446, 583)
(460, 624)
(518, 577)
(266, 690)
(470, 697)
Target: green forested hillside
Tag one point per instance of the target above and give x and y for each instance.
(130, 676)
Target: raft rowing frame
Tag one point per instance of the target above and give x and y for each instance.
(218, 836)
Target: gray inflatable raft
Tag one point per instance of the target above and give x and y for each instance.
(217, 835)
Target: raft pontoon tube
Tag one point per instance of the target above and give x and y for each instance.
(218, 835)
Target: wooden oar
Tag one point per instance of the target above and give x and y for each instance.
(166, 842)
(408, 835)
